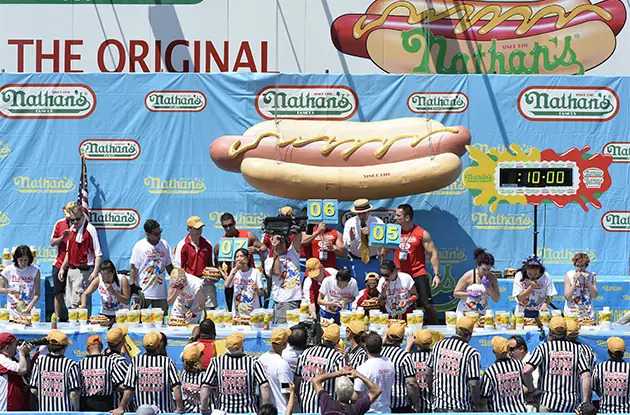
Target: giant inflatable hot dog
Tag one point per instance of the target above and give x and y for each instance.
(345, 160)
(461, 36)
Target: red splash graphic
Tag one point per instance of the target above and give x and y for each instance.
(594, 177)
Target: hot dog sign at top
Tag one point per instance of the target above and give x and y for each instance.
(505, 37)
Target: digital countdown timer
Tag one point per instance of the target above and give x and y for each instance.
(518, 177)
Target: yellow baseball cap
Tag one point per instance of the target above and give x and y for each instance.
(117, 334)
(58, 337)
(572, 327)
(313, 267)
(466, 324)
(194, 222)
(356, 327)
(423, 337)
(287, 211)
(332, 334)
(616, 344)
(152, 340)
(499, 345)
(94, 340)
(372, 276)
(193, 352)
(396, 331)
(558, 325)
(234, 341)
(280, 336)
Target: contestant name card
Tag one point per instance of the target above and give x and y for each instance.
(323, 210)
(386, 235)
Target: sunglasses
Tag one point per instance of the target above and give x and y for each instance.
(229, 225)
(159, 232)
(385, 275)
(76, 219)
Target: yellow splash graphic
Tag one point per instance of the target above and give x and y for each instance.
(481, 177)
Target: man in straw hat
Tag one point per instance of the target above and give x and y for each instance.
(561, 364)
(152, 379)
(323, 358)
(405, 393)
(278, 371)
(380, 370)
(56, 379)
(236, 376)
(356, 231)
(97, 376)
(453, 371)
(611, 379)
(501, 386)
(59, 238)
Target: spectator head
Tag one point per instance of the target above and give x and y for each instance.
(517, 346)
(151, 342)
(147, 410)
(22, 257)
(234, 343)
(616, 348)
(298, 338)
(344, 388)
(557, 328)
(396, 333)
(8, 344)
(464, 328)
(194, 225)
(268, 409)
(315, 269)
(116, 337)
(94, 345)
(343, 277)
(286, 211)
(373, 344)
(279, 338)
(207, 331)
(573, 330)
(331, 335)
(581, 261)
(500, 346)
(588, 408)
(192, 357)
(423, 339)
(57, 342)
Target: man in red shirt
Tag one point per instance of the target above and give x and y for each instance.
(194, 254)
(59, 238)
(410, 258)
(83, 258)
(253, 246)
(13, 396)
(325, 244)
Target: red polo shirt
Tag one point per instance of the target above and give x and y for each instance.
(83, 253)
(194, 258)
(12, 395)
(60, 226)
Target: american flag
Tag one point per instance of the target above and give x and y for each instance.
(82, 196)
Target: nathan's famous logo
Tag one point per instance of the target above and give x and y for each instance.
(175, 101)
(26, 184)
(564, 255)
(455, 188)
(616, 221)
(114, 218)
(46, 254)
(489, 37)
(387, 216)
(511, 221)
(4, 150)
(437, 102)
(109, 149)
(499, 148)
(243, 220)
(182, 185)
(307, 102)
(619, 151)
(568, 103)
(4, 219)
(446, 287)
(46, 101)
(452, 255)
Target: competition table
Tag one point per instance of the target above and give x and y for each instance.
(258, 342)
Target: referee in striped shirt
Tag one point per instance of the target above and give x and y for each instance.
(97, 393)
(116, 351)
(315, 361)
(573, 331)
(355, 334)
(561, 364)
(405, 393)
(420, 348)
(453, 372)
(501, 385)
(56, 379)
(152, 379)
(235, 375)
(611, 379)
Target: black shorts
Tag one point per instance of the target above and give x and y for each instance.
(423, 286)
(59, 286)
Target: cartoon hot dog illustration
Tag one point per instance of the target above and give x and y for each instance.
(344, 160)
(545, 36)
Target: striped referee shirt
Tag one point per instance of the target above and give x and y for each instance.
(610, 382)
(236, 377)
(315, 361)
(55, 377)
(404, 368)
(420, 359)
(357, 356)
(191, 390)
(502, 385)
(560, 364)
(121, 365)
(152, 377)
(97, 375)
(454, 362)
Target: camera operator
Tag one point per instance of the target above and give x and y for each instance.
(284, 269)
(14, 394)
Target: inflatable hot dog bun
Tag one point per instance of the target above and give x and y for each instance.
(344, 160)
